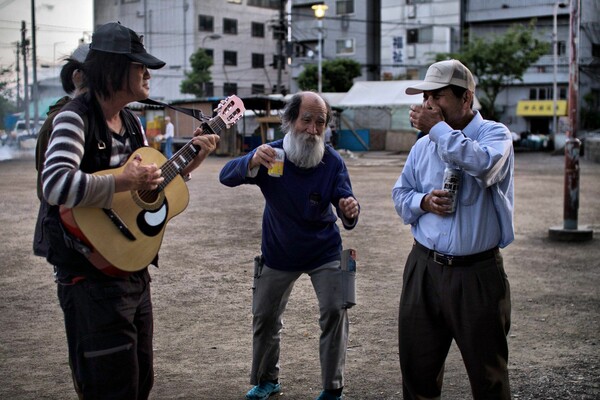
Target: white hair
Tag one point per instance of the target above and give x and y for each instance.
(303, 149)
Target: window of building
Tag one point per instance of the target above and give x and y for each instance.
(129, 1)
(596, 50)
(258, 29)
(562, 93)
(418, 1)
(412, 36)
(230, 26)
(258, 60)
(545, 93)
(229, 88)
(344, 7)
(345, 46)
(274, 4)
(206, 23)
(209, 89)
(424, 35)
(258, 89)
(561, 47)
(235, 1)
(230, 58)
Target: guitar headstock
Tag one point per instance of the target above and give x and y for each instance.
(230, 110)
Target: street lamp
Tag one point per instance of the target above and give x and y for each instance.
(319, 14)
(555, 86)
(214, 36)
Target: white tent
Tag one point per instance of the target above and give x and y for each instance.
(387, 94)
(380, 108)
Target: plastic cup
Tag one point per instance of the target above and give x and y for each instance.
(277, 169)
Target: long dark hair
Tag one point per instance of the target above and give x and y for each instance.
(106, 72)
(66, 74)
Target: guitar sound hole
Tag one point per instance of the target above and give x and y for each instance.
(149, 196)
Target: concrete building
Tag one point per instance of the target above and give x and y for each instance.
(248, 39)
(349, 29)
(261, 46)
(413, 31)
(241, 36)
(527, 106)
(420, 28)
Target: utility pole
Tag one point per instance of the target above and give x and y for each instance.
(18, 70)
(280, 44)
(34, 65)
(570, 231)
(24, 44)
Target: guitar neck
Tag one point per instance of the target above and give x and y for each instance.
(176, 164)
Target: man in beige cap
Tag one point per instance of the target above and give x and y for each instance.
(454, 283)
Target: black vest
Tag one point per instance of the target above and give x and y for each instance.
(50, 239)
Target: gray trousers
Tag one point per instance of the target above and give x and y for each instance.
(271, 292)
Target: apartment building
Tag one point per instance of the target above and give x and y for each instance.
(527, 106)
(413, 31)
(242, 36)
(418, 29)
(348, 29)
(261, 46)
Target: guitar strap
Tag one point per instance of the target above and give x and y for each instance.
(188, 111)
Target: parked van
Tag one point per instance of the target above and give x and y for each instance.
(22, 137)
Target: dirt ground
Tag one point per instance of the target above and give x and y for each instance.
(202, 293)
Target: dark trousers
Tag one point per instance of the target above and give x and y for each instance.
(470, 304)
(109, 329)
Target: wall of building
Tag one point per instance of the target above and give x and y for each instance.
(488, 18)
(437, 24)
(171, 33)
(360, 27)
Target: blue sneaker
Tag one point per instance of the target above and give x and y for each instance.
(263, 391)
(328, 396)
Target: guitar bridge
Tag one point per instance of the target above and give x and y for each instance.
(119, 223)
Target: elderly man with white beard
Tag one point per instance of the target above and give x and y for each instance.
(299, 236)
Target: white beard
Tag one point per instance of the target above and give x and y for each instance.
(303, 149)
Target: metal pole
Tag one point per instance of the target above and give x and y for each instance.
(570, 230)
(280, 39)
(24, 44)
(555, 86)
(320, 39)
(571, 201)
(34, 66)
(185, 60)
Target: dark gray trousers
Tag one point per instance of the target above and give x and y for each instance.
(469, 304)
(272, 289)
(109, 329)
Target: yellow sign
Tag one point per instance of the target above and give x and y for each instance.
(541, 108)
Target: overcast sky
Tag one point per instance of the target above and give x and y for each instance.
(60, 26)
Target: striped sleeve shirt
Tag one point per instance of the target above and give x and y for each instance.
(63, 182)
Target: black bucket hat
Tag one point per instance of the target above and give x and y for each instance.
(116, 38)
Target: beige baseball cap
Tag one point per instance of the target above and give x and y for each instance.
(444, 73)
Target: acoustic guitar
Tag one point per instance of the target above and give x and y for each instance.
(127, 237)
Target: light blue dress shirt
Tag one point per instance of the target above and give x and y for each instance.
(484, 217)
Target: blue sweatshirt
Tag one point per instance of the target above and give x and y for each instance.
(299, 230)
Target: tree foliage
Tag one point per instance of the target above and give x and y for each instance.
(7, 106)
(337, 75)
(500, 60)
(199, 75)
